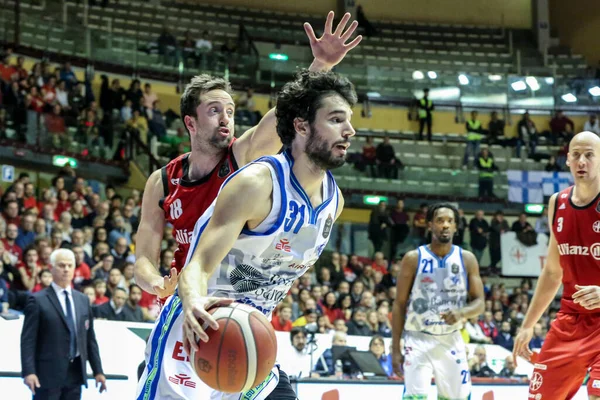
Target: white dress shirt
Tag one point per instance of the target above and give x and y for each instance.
(63, 304)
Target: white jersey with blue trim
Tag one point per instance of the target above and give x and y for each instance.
(264, 262)
(440, 285)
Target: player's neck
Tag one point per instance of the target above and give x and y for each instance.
(440, 249)
(202, 163)
(308, 174)
(585, 192)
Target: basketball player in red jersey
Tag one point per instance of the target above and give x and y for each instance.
(180, 192)
(572, 345)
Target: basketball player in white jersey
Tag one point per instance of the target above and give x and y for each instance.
(284, 206)
(438, 285)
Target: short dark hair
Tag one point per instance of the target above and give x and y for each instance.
(433, 209)
(297, 330)
(200, 84)
(133, 286)
(302, 97)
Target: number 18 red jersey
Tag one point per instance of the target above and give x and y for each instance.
(185, 201)
(577, 231)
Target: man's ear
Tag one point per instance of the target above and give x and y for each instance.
(301, 127)
(189, 123)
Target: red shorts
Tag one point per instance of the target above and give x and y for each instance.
(572, 346)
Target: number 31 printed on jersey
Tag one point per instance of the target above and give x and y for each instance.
(296, 212)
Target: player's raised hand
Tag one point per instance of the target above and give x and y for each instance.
(521, 347)
(451, 317)
(168, 285)
(587, 296)
(195, 308)
(331, 47)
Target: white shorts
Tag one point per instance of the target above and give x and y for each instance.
(441, 356)
(169, 374)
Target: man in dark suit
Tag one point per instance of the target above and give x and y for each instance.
(58, 337)
(113, 310)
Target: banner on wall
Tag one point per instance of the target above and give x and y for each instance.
(521, 260)
(533, 186)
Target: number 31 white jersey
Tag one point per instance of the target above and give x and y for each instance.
(264, 262)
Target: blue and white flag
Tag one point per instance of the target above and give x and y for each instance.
(554, 182)
(532, 186)
(525, 186)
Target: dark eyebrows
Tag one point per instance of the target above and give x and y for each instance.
(339, 112)
(229, 103)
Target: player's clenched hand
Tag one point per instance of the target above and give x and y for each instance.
(195, 308)
(521, 347)
(397, 362)
(451, 317)
(168, 284)
(331, 48)
(587, 296)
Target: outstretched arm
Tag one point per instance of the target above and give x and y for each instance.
(328, 51)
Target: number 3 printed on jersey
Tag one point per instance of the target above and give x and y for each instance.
(176, 209)
(296, 212)
(559, 224)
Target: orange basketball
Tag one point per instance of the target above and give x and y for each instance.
(240, 354)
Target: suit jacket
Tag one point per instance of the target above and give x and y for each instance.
(45, 338)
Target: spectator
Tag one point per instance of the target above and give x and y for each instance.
(461, 227)
(420, 225)
(526, 135)
(561, 127)
(10, 242)
(479, 229)
(378, 223)
(486, 167)
(425, 108)
(358, 326)
(504, 337)
(116, 95)
(488, 326)
(149, 97)
(55, 125)
(330, 307)
(325, 364)
(11, 213)
(115, 280)
(114, 309)
(496, 128)
(100, 292)
(299, 358)
(82, 275)
(474, 136)
(481, 369)
(377, 348)
(246, 108)
(369, 156)
(167, 47)
(364, 23)
(592, 125)
(399, 229)
(121, 253)
(552, 165)
(26, 234)
(103, 268)
(118, 232)
(521, 225)
(203, 49)
(499, 227)
(126, 111)
(132, 311)
(537, 341)
(309, 316)
(135, 94)
(541, 224)
(139, 124)
(283, 321)
(509, 369)
(67, 75)
(156, 121)
(387, 164)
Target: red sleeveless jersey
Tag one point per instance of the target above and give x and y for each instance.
(577, 232)
(185, 201)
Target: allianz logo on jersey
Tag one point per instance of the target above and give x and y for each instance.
(182, 236)
(566, 249)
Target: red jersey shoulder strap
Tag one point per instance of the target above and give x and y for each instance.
(165, 184)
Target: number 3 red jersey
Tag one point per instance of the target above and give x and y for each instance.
(185, 201)
(577, 232)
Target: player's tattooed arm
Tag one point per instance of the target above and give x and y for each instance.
(476, 304)
(406, 277)
(244, 201)
(328, 51)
